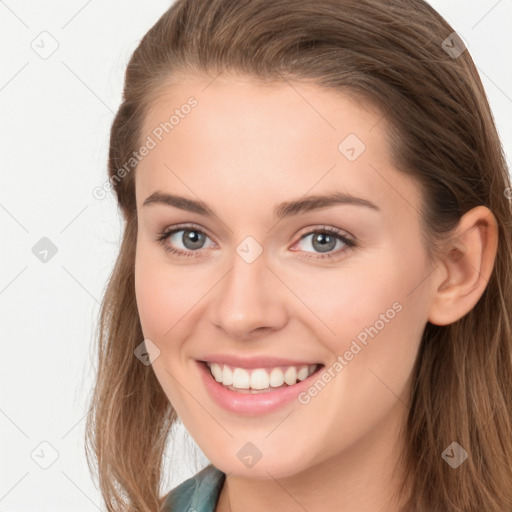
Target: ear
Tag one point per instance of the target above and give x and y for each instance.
(466, 266)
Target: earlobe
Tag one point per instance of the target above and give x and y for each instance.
(468, 262)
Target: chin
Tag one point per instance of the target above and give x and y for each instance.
(274, 466)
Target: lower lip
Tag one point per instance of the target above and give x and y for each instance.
(248, 403)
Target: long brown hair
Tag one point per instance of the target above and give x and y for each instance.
(393, 55)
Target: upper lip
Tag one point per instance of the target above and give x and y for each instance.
(253, 362)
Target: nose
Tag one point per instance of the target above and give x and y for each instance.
(249, 300)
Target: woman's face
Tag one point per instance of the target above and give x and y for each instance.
(260, 284)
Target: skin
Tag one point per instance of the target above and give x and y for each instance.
(245, 148)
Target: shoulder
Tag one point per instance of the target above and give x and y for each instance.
(199, 493)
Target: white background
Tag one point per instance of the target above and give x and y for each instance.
(55, 122)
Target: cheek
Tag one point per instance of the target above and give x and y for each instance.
(159, 306)
(170, 298)
(372, 313)
(342, 303)
(380, 327)
(163, 315)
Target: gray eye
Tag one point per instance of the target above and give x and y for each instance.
(191, 239)
(322, 242)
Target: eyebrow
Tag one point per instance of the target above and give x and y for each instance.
(282, 210)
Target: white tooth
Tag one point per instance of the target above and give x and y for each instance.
(290, 375)
(303, 373)
(227, 376)
(276, 377)
(259, 379)
(312, 368)
(241, 379)
(217, 372)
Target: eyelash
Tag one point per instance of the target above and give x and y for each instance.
(329, 230)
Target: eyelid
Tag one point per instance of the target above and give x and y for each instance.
(163, 235)
(346, 238)
(305, 232)
(183, 227)
(326, 228)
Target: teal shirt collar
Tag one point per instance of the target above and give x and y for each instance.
(199, 493)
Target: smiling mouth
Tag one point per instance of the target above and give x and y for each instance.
(260, 380)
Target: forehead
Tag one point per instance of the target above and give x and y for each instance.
(286, 138)
(251, 110)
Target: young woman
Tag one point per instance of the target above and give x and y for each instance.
(316, 270)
